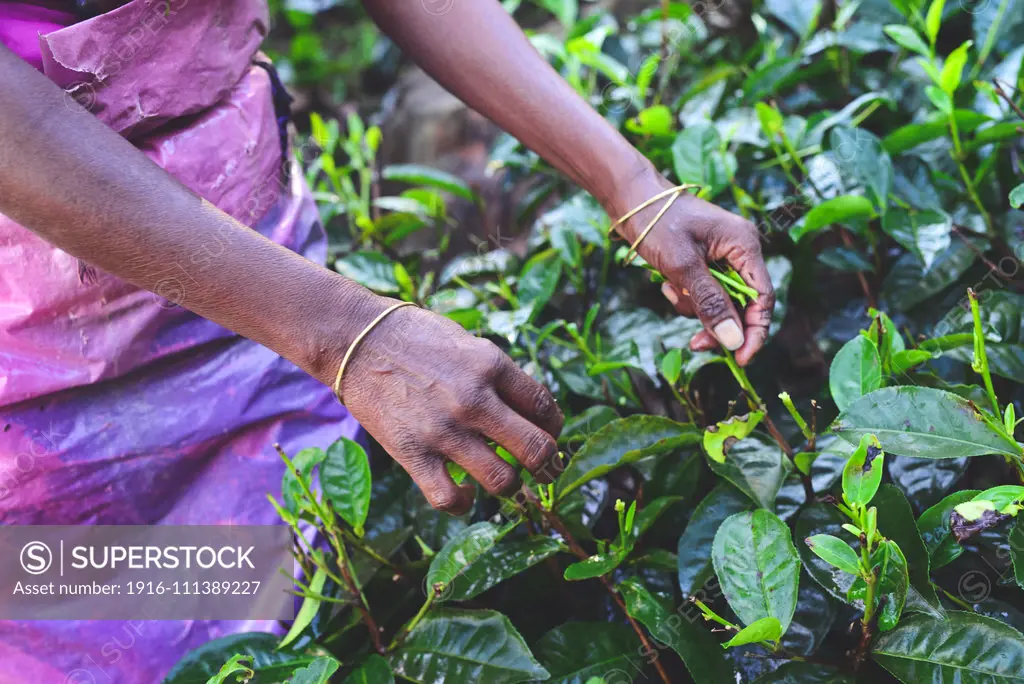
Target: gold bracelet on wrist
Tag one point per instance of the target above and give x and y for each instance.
(359, 338)
(672, 194)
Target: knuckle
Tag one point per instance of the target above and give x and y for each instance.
(501, 477)
(444, 500)
(538, 450)
(709, 300)
(492, 360)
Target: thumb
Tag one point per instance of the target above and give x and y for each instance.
(713, 307)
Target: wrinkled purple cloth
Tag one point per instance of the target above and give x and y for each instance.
(117, 407)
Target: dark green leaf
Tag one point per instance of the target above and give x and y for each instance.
(369, 269)
(594, 566)
(291, 490)
(813, 619)
(845, 259)
(925, 481)
(346, 481)
(539, 278)
(374, 670)
(459, 553)
(478, 645)
(416, 174)
(694, 552)
(757, 566)
(701, 653)
(926, 234)
(861, 156)
(893, 584)
(271, 665)
(802, 17)
(757, 467)
(308, 610)
(922, 422)
(503, 561)
(698, 159)
(576, 651)
(896, 521)
(1016, 543)
(909, 284)
(625, 441)
(856, 370)
(582, 426)
(908, 38)
(962, 647)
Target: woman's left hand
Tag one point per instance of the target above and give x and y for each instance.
(691, 234)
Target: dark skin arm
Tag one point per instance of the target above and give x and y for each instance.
(476, 50)
(446, 391)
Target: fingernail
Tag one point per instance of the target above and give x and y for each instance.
(729, 334)
(670, 294)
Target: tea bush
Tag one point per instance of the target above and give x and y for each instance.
(709, 526)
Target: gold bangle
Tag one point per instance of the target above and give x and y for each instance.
(359, 338)
(672, 194)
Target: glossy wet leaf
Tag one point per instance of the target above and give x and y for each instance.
(452, 645)
(700, 651)
(503, 561)
(855, 371)
(757, 467)
(461, 551)
(757, 566)
(576, 651)
(237, 669)
(925, 481)
(922, 422)
(373, 670)
(835, 552)
(963, 647)
(800, 16)
(926, 234)
(697, 158)
(694, 549)
(860, 155)
(346, 482)
(896, 521)
(370, 269)
(304, 462)
(539, 279)
(892, 587)
(417, 174)
(765, 629)
(720, 437)
(815, 615)
(863, 472)
(909, 283)
(908, 38)
(271, 665)
(625, 441)
(593, 566)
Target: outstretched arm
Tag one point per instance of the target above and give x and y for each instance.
(426, 389)
(477, 51)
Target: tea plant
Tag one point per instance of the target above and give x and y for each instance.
(847, 512)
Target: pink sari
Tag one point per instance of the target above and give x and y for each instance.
(117, 407)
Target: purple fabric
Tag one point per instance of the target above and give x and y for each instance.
(21, 24)
(116, 407)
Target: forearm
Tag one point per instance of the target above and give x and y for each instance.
(80, 186)
(477, 52)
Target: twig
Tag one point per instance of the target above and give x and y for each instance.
(1009, 100)
(558, 526)
(848, 241)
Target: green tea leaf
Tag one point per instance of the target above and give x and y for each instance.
(896, 522)
(271, 664)
(834, 551)
(697, 158)
(1017, 196)
(479, 645)
(757, 566)
(694, 550)
(861, 155)
(672, 366)
(291, 490)
(370, 269)
(576, 651)
(625, 441)
(836, 210)
(908, 38)
(933, 21)
(237, 668)
(765, 629)
(461, 551)
(317, 672)
(416, 174)
(346, 481)
(934, 526)
(952, 70)
(856, 370)
(863, 472)
(701, 653)
(757, 467)
(962, 647)
(594, 566)
(799, 15)
(309, 608)
(821, 519)
(374, 670)
(922, 422)
(501, 562)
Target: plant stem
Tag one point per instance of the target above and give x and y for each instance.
(968, 182)
(980, 357)
(955, 599)
(557, 524)
(787, 401)
(353, 584)
(361, 546)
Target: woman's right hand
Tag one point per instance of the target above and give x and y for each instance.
(430, 392)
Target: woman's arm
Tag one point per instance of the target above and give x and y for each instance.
(420, 384)
(477, 51)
